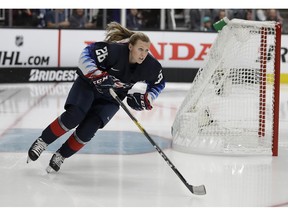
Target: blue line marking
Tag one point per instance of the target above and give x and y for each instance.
(104, 142)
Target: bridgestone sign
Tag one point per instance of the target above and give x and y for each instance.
(52, 75)
(25, 75)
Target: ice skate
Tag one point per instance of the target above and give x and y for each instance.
(55, 162)
(36, 149)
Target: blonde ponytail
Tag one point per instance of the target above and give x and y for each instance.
(116, 33)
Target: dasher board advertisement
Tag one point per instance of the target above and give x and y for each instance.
(29, 48)
(172, 49)
(180, 53)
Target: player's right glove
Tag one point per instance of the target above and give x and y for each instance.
(138, 101)
(103, 82)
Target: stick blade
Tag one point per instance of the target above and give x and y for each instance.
(197, 190)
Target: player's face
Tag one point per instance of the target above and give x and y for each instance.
(138, 52)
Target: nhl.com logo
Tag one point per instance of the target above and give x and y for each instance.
(19, 40)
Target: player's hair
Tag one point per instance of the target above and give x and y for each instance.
(116, 32)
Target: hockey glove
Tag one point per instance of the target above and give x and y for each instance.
(103, 82)
(138, 101)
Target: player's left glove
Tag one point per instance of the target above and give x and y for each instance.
(138, 101)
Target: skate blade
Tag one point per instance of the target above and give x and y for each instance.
(28, 159)
(49, 169)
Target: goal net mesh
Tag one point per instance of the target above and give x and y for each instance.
(230, 105)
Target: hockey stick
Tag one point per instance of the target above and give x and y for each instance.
(198, 190)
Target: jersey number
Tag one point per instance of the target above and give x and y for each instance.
(160, 77)
(101, 54)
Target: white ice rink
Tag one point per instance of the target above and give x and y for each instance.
(119, 167)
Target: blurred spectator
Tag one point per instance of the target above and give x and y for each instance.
(57, 18)
(273, 15)
(93, 14)
(41, 23)
(207, 25)
(114, 15)
(195, 20)
(221, 14)
(194, 17)
(109, 14)
(260, 15)
(248, 15)
(236, 13)
(24, 17)
(79, 20)
(134, 19)
(99, 18)
(150, 18)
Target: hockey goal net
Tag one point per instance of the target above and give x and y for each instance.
(232, 106)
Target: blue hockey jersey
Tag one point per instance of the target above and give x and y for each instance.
(113, 58)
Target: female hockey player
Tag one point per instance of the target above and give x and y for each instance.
(118, 62)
